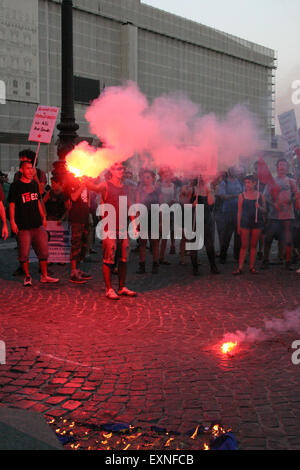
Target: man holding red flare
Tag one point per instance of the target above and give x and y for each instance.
(114, 240)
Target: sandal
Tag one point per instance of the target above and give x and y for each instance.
(238, 272)
(253, 271)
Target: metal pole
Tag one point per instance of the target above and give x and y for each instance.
(67, 125)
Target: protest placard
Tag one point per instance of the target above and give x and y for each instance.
(59, 243)
(43, 124)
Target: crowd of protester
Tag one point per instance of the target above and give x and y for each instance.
(239, 211)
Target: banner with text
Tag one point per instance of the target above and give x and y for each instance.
(59, 243)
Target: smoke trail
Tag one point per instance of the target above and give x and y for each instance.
(272, 328)
(171, 129)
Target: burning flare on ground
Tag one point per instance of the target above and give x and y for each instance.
(228, 347)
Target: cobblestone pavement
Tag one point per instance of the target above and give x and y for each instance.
(155, 359)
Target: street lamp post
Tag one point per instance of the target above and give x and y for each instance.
(67, 125)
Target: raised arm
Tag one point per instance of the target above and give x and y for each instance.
(76, 193)
(97, 188)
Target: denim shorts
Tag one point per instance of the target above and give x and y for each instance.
(38, 238)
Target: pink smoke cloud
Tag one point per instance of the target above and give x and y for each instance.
(172, 130)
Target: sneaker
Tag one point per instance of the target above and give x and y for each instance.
(76, 279)
(128, 292)
(50, 273)
(27, 281)
(84, 275)
(49, 280)
(111, 294)
(237, 272)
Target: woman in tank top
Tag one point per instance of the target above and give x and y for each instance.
(251, 210)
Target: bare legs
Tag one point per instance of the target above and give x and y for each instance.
(246, 235)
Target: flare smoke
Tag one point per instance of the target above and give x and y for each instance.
(272, 328)
(171, 130)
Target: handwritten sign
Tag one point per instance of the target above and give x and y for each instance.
(43, 124)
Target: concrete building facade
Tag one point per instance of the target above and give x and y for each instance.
(117, 40)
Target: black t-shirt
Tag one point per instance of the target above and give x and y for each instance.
(55, 206)
(26, 197)
(79, 212)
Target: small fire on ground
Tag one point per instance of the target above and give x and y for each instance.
(229, 347)
(81, 436)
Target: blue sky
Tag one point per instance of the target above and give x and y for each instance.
(271, 23)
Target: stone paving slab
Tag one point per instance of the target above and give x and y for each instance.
(155, 359)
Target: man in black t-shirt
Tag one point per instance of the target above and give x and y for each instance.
(27, 221)
(28, 155)
(79, 221)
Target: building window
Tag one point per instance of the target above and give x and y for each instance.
(85, 89)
